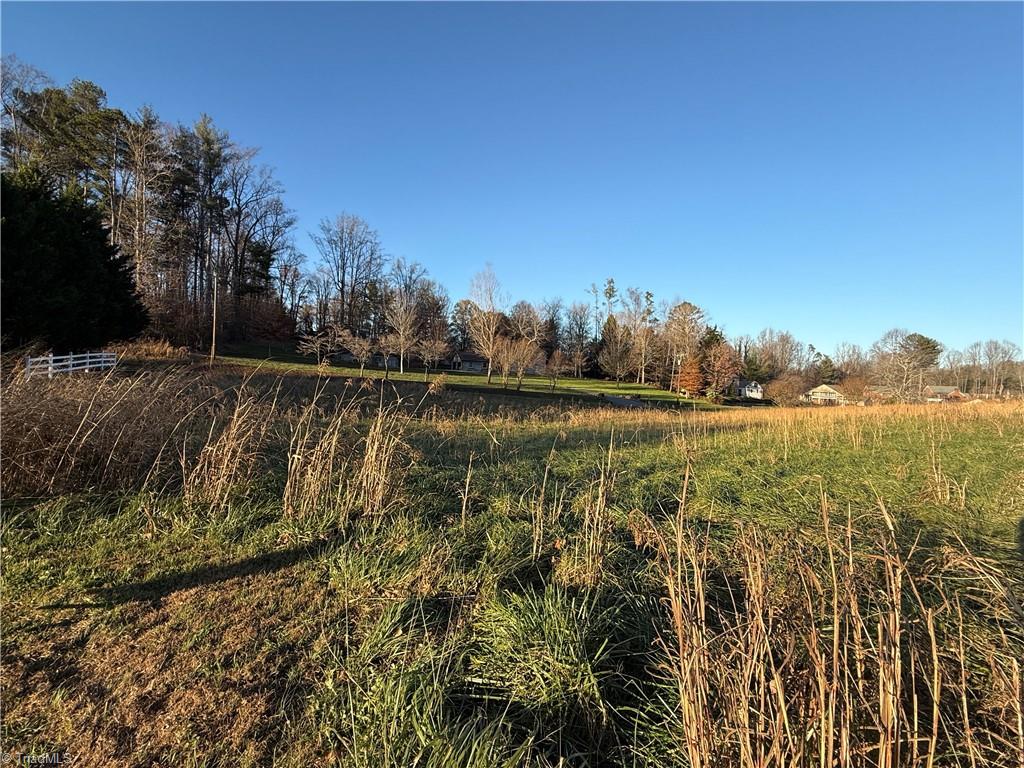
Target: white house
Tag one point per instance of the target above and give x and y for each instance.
(749, 389)
(826, 394)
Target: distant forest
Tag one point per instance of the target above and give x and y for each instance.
(199, 233)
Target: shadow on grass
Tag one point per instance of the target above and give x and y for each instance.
(153, 590)
(1020, 537)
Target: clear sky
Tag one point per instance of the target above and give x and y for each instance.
(830, 169)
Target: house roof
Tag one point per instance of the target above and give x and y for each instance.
(942, 389)
(467, 356)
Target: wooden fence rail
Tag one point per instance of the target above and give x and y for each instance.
(85, 361)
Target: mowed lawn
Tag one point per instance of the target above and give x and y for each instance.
(277, 575)
(282, 358)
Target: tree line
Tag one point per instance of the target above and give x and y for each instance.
(196, 230)
(202, 224)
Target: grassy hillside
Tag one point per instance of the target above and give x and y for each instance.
(284, 570)
(282, 358)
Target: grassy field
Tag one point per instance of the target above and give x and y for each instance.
(282, 358)
(229, 567)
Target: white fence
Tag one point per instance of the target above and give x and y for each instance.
(86, 361)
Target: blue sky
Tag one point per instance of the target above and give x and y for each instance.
(830, 169)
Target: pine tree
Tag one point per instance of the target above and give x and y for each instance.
(64, 284)
(827, 372)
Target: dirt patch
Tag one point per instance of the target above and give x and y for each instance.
(215, 672)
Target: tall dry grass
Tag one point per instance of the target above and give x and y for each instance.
(842, 648)
(73, 433)
(336, 468)
(188, 433)
(149, 349)
(228, 461)
(317, 459)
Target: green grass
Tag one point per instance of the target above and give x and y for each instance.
(282, 358)
(443, 632)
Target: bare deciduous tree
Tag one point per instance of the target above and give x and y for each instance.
(557, 365)
(432, 349)
(388, 345)
(504, 358)
(721, 366)
(361, 348)
(899, 360)
(684, 326)
(638, 316)
(320, 344)
(616, 350)
(525, 355)
(403, 318)
(779, 352)
(354, 260)
(486, 318)
(850, 360)
(526, 322)
(577, 336)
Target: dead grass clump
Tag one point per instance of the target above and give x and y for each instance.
(149, 349)
(227, 463)
(384, 461)
(337, 469)
(319, 454)
(583, 562)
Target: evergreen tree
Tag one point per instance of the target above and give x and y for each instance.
(62, 282)
(827, 372)
(753, 368)
(616, 345)
(711, 338)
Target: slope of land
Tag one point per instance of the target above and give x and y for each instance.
(232, 567)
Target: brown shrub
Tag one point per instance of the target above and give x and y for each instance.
(149, 349)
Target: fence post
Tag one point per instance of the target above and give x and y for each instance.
(49, 367)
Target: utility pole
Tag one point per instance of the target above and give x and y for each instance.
(213, 332)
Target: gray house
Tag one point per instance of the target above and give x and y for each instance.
(469, 361)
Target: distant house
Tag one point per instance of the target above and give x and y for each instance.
(826, 394)
(750, 389)
(935, 393)
(469, 361)
(380, 360)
